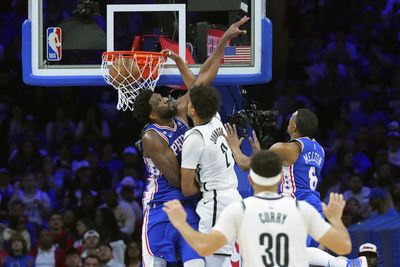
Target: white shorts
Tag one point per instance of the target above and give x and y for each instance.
(210, 207)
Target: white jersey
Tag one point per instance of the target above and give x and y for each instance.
(206, 150)
(271, 230)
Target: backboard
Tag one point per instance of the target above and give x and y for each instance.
(63, 40)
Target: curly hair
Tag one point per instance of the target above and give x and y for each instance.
(142, 108)
(306, 122)
(205, 100)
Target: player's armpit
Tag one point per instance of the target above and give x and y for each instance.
(156, 148)
(288, 152)
(189, 185)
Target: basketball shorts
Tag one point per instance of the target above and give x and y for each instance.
(161, 239)
(210, 207)
(314, 201)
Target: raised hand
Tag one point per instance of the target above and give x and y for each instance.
(171, 54)
(334, 209)
(232, 137)
(234, 30)
(255, 145)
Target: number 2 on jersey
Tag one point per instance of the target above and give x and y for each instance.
(313, 178)
(224, 150)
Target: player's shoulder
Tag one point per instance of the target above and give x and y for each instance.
(180, 122)
(194, 131)
(304, 206)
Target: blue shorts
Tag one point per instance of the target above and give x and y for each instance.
(314, 201)
(161, 239)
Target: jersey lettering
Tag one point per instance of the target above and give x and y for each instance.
(272, 217)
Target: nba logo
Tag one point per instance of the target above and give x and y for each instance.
(54, 43)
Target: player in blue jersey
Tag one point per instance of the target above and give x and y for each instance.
(303, 159)
(162, 141)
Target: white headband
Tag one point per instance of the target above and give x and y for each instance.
(264, 181)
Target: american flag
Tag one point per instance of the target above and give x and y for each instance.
(237, 55)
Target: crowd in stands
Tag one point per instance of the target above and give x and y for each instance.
(71, 178)
(347, 68)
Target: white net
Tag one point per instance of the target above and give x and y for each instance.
(130, 72)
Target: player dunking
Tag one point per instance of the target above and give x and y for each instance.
(208, 166)
(303, 159)
(271, 230)
(162, 144)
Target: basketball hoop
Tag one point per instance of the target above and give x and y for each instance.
(130, 72)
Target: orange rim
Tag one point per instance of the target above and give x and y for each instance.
(139, 55)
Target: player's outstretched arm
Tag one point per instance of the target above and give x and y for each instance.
(234, 143)
(288, 152)
(334, 235)
(156, 148)
(204, 244)
(187, 75)
(337, 238)
(209, 69)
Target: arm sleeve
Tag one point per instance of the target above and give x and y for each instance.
(316, 225)
(229, 221)
(191, 150)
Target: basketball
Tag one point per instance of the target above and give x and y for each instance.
(123, 71)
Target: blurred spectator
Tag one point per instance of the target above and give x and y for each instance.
(61, 238)
(111, 161)
(108, 228)
(87, 209)
(72, 258)
(60, 128)
(36, 202)
(47, 182)
(130, 160)
(100, 177)
(18, 253)
(93, 130)
(343, 49)
(48, 253)
(15, 128)
(291, 101)
(396, 196)
(123, 212)
(91, 261)
(82, 226)
(91, 240)
(68, 217)
(133, 255)
(81, 185)
(384, 176)
(352, 212)
(26, 158)
(331, 183)
(6, 191)
(393, 141)
(16, 224)
(370, 252)
(127, 194)
(3, 255)
(359, 192)
(106, 257)
(380, 203)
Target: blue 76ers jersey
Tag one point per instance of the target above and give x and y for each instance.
(301, 178)
(158, 189)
